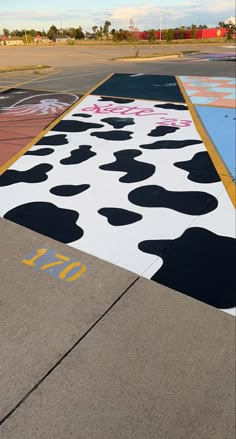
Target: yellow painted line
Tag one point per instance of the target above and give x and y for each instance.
(215, 156)
(232, 189)
(19, 84)
(16, 157)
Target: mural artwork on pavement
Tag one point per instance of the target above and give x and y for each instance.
(24, 114)
(140, 86)
(213, 91)
(220, 125)
(131, 182)
(214, 102)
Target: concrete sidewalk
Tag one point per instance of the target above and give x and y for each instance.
(110, 355)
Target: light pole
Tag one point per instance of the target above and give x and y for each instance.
(26, 38)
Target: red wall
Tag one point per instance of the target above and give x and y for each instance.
(200, 33)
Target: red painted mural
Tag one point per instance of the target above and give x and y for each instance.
(24, 114)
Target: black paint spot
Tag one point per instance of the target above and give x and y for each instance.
(120, 217)
(75, 126)
(119, 122)
(162, 131)
(47, 219)
(135, 170)
(55, 140)
(170, 144)
(113, 135)
(178, 107)
(189, 203)
(69, 190)
(200, 168)
(79, 155)
(116, 100)
(199, 264)
(82, 115)
(37, 174)
(40, 152)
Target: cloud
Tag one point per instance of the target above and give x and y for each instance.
(231, 20)
(145, 16)
(218, 6)
(42, 15)
(124, 13)
(189, 11)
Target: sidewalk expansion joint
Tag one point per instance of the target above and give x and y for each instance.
(4, 419)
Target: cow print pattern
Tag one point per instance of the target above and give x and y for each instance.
(68, 190)
(207, 282)
(119, 122)
(116, 100)
(79, 155)
(54, 140)
(59, 224)
(113, 135)
(119, 217)
(170, 144)
(200, 168)
(125, 162)
(40, 152)
(190, 203)
(178, 107)
(157, 209)
(37, 174)
(162, 131)
(75, 126)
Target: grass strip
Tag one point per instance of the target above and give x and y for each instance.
(5, 69)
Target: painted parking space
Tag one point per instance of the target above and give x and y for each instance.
(131, 182)
(220, 124)
(24, 114)
(214, 102)
(213, 91)
(141, 86)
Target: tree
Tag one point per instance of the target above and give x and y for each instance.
(222, 24)
(133, 35)
(193, 30)
(181, 33)
(169, 34)
(27, 39)
(152, 35)
(53, 32)
(106, 26)
(95, 31)
(230, 32)
(100, 32)
(121, 35)
(71, 32)
(6, 32)
(32, 32)
(79, 33)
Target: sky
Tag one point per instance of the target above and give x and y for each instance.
(146, 14)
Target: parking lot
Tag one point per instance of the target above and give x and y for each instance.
(76, 69)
